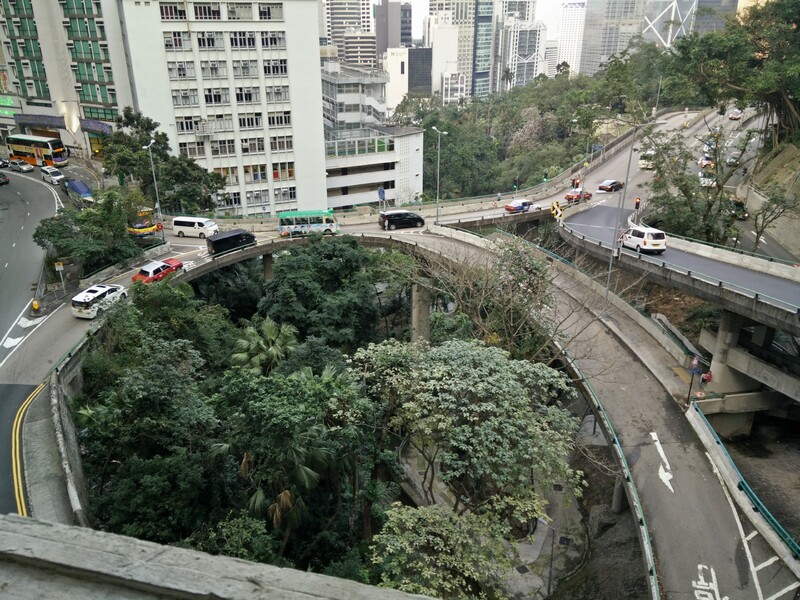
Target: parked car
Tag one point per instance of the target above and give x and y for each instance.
(735, 114)
(576, 195)
(52, 175)
(395, 219)
(733, 158)
(644, 239)
(3, 163)
(91, 302)
(4, 180)
(739, 210)
(520, 205)
(611, 185)
(706, 161)
(157, 270)
(20, 165)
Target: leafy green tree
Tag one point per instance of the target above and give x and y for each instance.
(433, 551)
(264, 345)
(239, 535)
(752, 60)
(777, 204)
(327, 290)
(237, 288)
(312, 354)
(96, 236)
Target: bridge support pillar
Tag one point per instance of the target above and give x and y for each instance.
(729, 425)
(619, 500)
(269, 271)
(420, 313)
(725, 379)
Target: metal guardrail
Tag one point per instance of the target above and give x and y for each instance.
(758, 505)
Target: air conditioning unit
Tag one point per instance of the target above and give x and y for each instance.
(103, 45)
(70, 44)
(16, 21)
(65, 22)
(99, 21)
(78, 87)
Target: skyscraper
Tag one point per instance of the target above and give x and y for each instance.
(462, 15)
(609, 27)
(342, 15)
(570, 43)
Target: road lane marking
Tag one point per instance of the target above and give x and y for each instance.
(751, 535)
(664, 471)
(746, 547)
(2, 362)
(785, 590)
(766, 563)
(706, 589)
(16, 453)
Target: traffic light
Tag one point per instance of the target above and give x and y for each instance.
(544, 177)
(636, 203)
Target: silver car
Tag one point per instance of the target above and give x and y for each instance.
(20, 165)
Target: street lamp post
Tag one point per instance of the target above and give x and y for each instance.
(159, 216)
(438, 165)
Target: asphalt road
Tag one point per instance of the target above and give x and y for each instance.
(11, 398)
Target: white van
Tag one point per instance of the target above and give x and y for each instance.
(194, 226)
(644, 239)
(52, 175)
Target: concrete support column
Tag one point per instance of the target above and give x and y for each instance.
(420, 313)
(269, 271)
(619, 500)
(724, 378)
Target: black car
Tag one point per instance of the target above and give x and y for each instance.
(611, 185)
(3, 163)
(4, 180)
(395, 219)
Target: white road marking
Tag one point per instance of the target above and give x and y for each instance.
(739, 527)
(11, 342)
(708, 589)
(27, 336)
(25, 323)
(751, 535)
(664, 471)
(785, 590)
(766, 563)
(14, 244)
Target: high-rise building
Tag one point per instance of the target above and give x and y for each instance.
(228, 82)
(667, 20)
(570, 43)
(520, 53)
(483, 47)
(388, 17)
(711, 14)
(406, 13)
(462, 15)
(609, 27)
(419, 70)
(359, 48)
(342, 15)
(352, 97)
(441, 36)
(551, 58)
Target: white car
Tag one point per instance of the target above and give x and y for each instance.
(644, 239)
(52, 175)
(91, 302)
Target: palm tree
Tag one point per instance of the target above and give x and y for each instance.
(263, 346)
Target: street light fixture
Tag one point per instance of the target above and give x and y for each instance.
(438, 165)
(159, 216)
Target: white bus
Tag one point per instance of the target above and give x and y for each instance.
(194, 226)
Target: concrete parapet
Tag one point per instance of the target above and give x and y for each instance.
(763, 265)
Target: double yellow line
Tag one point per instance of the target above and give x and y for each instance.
(16, 452)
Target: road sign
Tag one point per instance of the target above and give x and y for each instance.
(381, 194)
(59, 266)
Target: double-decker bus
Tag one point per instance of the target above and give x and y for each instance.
(303, 222)
(36, 150)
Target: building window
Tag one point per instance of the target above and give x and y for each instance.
(282, 171)
(245, 95)
(172, 11)
(243, 39)
(213, 69)
(245, 68)
(273, 39)
(185, 124)
(276, 93)
(275, 67)
(281, 143)
(255, 173)
(217, 96)
(251, 121)
(210, 39)
(180, 70)
(279, 119)
(101, 114)
(184, 98)
(177, 40)
(223, 147)
(285, 194)
(220, 122)
(239, 11)
(269, 11)
(253, 145)
(207, 11)
(192, 149)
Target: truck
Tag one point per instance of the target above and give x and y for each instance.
(228, 241)
(78, 192)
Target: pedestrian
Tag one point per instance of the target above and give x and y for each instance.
(705, 379)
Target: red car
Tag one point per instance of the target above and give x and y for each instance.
(576, 195)
(158, 270)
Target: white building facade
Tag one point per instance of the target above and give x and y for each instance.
(570, 43)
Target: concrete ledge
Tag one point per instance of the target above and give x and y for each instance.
(730, 479)
(763, 265)
(47, 560)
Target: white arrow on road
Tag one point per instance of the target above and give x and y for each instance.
(664, 472)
